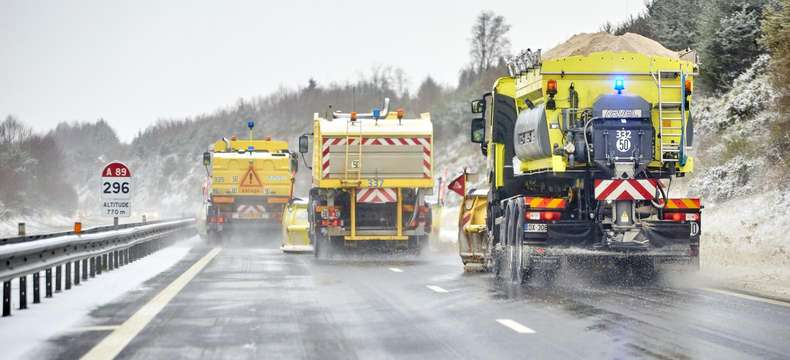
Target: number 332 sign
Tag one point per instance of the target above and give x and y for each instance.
(116, 190)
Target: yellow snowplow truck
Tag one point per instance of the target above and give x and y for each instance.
(581, 150)
(249, 183)
(370, 175)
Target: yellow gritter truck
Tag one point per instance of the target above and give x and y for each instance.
(249, 183)
(581, 150)
(370, 173)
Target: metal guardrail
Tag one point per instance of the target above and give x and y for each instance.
(88, 253)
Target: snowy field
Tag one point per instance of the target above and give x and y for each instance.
(27, 330)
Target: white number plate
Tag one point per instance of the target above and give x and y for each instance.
(536, 228)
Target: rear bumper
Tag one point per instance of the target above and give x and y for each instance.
(665, 244)
(244, 225)
(659, 237)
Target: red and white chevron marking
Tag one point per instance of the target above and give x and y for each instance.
(376, 195)
(626, 189)
(249, 212)
(382, 141)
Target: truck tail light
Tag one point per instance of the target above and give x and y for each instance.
(678, 216)
(542, 215)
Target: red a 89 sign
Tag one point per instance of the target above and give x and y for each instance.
(116, 181)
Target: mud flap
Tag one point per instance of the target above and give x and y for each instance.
(665, 233)
(572, 234)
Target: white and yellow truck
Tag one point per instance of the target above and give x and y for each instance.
(370, 175)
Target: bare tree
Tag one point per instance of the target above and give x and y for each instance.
(12, 131)
(489, 40)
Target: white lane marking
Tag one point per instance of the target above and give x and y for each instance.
(115, 342)
(436, 288)
(515, 326)
(396, 270)
(748, 297)
(95, 328)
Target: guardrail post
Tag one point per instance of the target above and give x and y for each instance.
(84, 269)
(77, 272)
(6, 298)
(36, 288)
(58, 273)
(48, 283)
(23, 292)
(68, 275)
(21, 229)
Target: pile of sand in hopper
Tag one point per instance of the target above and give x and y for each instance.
(585, 44)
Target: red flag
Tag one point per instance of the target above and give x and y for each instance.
(459, 184)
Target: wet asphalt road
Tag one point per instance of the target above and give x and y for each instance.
(261, 303)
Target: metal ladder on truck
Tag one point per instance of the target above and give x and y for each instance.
(353, 163)
(671, 115)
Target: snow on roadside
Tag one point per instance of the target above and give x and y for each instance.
(34, 224)
(27, 330)
(745, 244)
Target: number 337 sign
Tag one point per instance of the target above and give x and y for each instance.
(116, 190)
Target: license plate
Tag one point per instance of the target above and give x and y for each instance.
(536, 228)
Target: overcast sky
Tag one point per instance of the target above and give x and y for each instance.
(133, 62)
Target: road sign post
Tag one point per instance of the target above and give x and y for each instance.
(116, 191)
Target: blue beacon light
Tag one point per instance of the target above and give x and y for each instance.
(619, 85)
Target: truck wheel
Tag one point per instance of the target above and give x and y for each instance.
(497, 262)
(518, 240)
(507, 248)
(550, 276)
(321, 247)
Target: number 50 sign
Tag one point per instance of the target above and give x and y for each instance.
(116, 190)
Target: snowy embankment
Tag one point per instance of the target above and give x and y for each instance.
(26, 330)
(746, 245)
(746, 220)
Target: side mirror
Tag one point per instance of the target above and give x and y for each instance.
(206, 158)
(478, 106)
(303, 147)
(478, 131)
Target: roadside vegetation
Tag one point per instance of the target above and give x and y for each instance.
(744, 57)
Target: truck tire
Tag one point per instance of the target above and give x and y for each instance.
(513, 255)
(520, 273)
(322, 246)
(504, 241)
